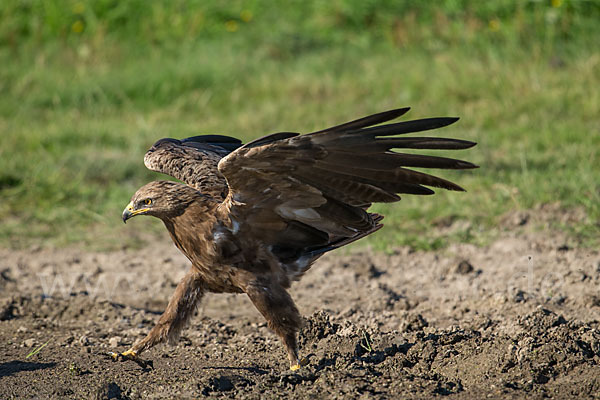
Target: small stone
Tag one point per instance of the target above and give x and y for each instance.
(520, 296)
(21, 329)
(29, 342)
(68, 340)
(114, 341)
(83, 340)
(464, 267)
(413, 323)
(591, 300)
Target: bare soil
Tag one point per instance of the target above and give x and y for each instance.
(518, 318)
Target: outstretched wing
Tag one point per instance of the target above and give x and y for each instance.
(306, 194)
(194, 161)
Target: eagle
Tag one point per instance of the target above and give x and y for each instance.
(253, 218)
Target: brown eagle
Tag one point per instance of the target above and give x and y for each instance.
(253, 218)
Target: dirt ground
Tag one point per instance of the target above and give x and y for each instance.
(517, 318)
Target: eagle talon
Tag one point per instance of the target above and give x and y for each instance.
(303, 362)
(131, 356)
(124, 356)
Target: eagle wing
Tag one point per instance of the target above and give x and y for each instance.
(194, 161)
(307, 194)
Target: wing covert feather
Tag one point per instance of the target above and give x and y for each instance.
(194, 161)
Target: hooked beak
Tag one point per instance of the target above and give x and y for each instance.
(130, 212)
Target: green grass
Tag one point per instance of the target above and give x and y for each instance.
(89, 86)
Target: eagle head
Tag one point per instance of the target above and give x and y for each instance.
(161, 199)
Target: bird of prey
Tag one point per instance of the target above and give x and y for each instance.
(253, 218)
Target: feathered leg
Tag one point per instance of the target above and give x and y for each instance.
(278, 308)
(180, 309)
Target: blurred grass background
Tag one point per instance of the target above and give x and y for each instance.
(87, 86)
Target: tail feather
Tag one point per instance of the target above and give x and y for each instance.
(319, 251)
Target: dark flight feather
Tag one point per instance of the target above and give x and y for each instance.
(367, 121)
(401, 128)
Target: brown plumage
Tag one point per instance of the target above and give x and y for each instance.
(253, 218)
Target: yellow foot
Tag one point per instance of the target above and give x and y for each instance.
(303, 361)
(126, 355)
(130, 355)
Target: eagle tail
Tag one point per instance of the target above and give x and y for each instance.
(316, 252)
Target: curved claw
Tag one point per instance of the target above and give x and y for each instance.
(132, 356)
(303, 362)
(126, 355)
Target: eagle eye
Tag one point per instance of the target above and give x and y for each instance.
(148, 202)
